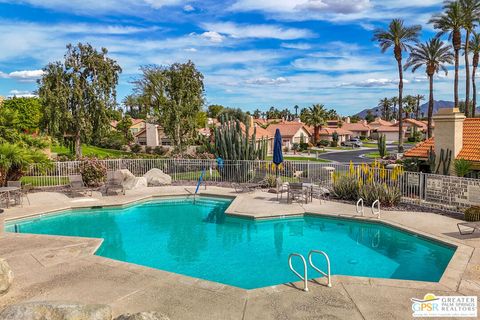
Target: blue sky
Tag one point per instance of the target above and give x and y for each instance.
(253, 53)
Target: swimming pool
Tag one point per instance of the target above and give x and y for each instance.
(199, 240)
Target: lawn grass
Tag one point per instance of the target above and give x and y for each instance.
(91, 151)
(372, 155)
(370, 145)
(44, 181)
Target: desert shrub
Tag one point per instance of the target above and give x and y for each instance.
(113, 140)
(148, 149)
(334, 144)
(93, 172)
(303, 146)
(472, 214)
(136, 148)
(323, 143)
(345, 187)
(271, 181)
(161, 151)
(389, 195)
(462, 167)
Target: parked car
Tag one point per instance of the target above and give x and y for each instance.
(354, 142)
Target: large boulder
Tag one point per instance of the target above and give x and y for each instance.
(143, 316)
(156, 177)
(6, 277)
(136, 183)
(56, 310)
(126, 174)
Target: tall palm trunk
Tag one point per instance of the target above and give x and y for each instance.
(417, 110)
(467, 75)
(457, 43)
(430, 106)
(474, 85)
(398, 56)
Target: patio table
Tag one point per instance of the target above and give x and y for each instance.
(8, 190)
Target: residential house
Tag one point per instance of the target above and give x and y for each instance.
(152, 135)
(291, 131)
(453, 132)
(137, 125)
(327, 134)
(412, 126)
(379, 122)
(359, 129)
(390, 132)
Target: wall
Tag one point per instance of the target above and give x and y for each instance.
(454, 191)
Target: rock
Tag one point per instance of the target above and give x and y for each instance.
(392, 165)
(156, 177)
(136, 183)
(6, 277)
(56, 310)
(127, 175)
(143, 316)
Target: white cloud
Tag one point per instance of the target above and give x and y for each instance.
(257, 31)
(267, 81)
(297, 46)
(191, 50)
(369, 83)
(21, 94)
(335, 6)
(212, 36)
(188, 8)
(23, 76)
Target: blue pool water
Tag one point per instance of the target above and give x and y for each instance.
(199, 240)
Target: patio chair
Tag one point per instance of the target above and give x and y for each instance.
(77, 185)
(296, 192)
(258, 181)
(19, 194)
(281, 187)
(469, 227)
(319, 192)
(114, 182)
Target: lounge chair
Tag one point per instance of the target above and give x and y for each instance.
(281, 188)
(114, 182)
(296, 192)
(469, 226)
(77, 185)
(258, 181)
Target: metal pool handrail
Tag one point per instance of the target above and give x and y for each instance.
(376, 211)
(305, 272)
(327, 274)
(358, 208)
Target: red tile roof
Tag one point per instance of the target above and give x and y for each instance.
(471, 143)
(380, 122)
(471, 140)
(421, 149)
(330, 131)
(359, 126)
(287, 129)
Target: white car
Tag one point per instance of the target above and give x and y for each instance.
(354, 142)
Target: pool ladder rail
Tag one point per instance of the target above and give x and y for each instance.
(375, 208)
(304, 278)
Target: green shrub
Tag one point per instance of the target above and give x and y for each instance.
(345, 187)
(303, 146)
(323, 143)
(271, 181)
(161, 151)
(411, 139)
(93, 172)
(388, 195)
(462, 167)
(472, 214)
(334, 144)
(148, 149)
(136, 148)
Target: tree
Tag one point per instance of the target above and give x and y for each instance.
(434, 55)
(28, 112)
(296, 110)
(451, 22)
(315, 116)
(369, 117)
(419, 98)
(410, 103)
(385, 104)
(399, 37)
(135, 107)
(474, 48)
(257, 114)
(394, 104)
(78, 94)
(471, 12)
(214, 110)
(175, 94)
(123, 126)
(233, 114)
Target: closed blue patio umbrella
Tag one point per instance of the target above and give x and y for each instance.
(277, 149)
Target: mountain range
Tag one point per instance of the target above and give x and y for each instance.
(438, 104)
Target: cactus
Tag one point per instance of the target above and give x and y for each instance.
(382, 145)
(472, 214)
(431, 159)
(444, 162)
(231, 143)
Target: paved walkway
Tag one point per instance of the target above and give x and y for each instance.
(64, 268)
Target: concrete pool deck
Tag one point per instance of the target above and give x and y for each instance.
(64, 268)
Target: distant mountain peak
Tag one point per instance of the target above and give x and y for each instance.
(438, 104)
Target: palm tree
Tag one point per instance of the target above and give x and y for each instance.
(385, 104)
(418, 97)
(296, 110)
(471, 11)
(315, 116)
(399, 37)
(474, 47)
(394, 103)
(451, 22)
(409, 106)
(433, 54)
